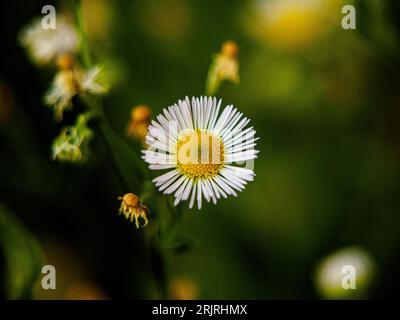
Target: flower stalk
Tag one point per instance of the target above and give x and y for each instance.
(128, 166)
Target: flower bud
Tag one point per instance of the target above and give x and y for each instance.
(225, 67)
(139, 122)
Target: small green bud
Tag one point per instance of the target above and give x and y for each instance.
(72, 143)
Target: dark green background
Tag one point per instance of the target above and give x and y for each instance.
(327, 176)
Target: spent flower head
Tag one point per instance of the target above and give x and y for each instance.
(132, 208)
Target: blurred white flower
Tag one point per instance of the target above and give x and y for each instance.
(71, 82)
(61, 92)
(46, 45)
(332, 270)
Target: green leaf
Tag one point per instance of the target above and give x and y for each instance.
(22, 254)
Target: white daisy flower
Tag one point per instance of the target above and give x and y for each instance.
(200, 146)
(46, 45)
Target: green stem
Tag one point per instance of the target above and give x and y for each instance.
(128, 166)
(212, 83)
(126, 163)
(85, 52)
(177, 215)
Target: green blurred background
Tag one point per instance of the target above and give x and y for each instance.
(325, 102)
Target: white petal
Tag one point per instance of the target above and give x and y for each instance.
(244, 173)
(205, 192)
(193, 195)
(199, 188)
(222, 119)
(239, 137)
(186, 193)
(230, 184)
(161, 166)
(214, 116)
(233, 176)
(216, 186)
(221, 182)
(194, 112)
(210, 191)
(228, 135)
(181, 188)
(179, 193)
(175, 185)
(241, 156)
(229, 126)
(166, 176)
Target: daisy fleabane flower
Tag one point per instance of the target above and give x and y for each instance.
(201, 146)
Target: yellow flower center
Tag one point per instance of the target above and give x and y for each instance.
(200, 154)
